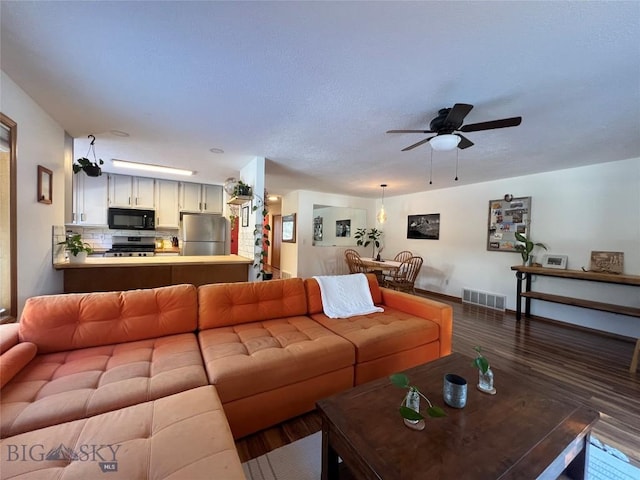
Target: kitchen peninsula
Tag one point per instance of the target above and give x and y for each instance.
(101, 274)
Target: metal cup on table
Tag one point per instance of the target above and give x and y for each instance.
(454, 390)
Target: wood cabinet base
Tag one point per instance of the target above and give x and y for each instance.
(105, 279)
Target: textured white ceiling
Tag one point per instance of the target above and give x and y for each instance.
(314, 86)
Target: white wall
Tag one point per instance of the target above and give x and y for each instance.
(574, 212)
(41, 141)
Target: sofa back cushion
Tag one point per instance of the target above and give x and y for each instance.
(79, 320)
(314, 297)
(227, 304)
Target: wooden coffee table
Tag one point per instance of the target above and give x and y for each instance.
(528, 430)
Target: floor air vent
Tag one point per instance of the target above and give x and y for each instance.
(484, 299)
(284, 274)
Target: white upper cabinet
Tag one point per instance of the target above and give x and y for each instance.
(195, 197)
(212, 198)
(143, 192)
(190, 199)
(133, 192)
(167, 211)
(89, 199)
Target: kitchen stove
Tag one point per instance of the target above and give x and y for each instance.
(123, 246)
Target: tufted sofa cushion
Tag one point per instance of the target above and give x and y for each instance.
(182, 436)
(57, 323)
(64, 386)
(247, 359)
(224, 304)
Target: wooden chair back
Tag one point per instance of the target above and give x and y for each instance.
(405, 278)
(354, 262)
(402, 256)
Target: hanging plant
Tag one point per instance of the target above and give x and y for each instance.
(92, 169)
(261, 235)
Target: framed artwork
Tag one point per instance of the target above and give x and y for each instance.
(607, 262)
(317, 229)
(555, 261)
(343, 228)
(425, 227)
(45, 185)
(289, 228)
(245, 216)
(507, 216)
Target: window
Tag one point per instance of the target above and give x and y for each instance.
(8, 258)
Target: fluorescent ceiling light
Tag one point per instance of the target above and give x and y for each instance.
(446, 141)
(151, 168)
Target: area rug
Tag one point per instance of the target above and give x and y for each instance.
(301, 460)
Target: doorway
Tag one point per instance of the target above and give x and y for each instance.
(276, 241)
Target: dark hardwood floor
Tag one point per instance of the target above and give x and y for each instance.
(592, 367)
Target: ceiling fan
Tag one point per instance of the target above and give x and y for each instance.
(448, 121)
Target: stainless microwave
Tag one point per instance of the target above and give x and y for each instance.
(132, 219)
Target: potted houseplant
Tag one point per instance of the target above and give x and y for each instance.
(78, 250)
(364, 237)
(410, 406)
(92, 169)
(241, 189)
(485, 375)
(526, 247)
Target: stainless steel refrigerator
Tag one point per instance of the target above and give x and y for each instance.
(204, 234)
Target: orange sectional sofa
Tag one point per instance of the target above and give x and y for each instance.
(157, 383)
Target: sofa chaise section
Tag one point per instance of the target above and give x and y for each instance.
(181, 436)
(98, 352)
(412, 330)
(268, 360)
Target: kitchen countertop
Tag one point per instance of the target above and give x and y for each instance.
(93, 262)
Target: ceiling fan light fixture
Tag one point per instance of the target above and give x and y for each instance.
(447, 141)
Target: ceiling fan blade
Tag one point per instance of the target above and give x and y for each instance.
(464, 142)
(410, 131)
(410, 147)
(505, 122)
(457, 113)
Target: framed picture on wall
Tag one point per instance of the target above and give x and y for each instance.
(424, 227)
(289, 228)
(45, 185)
(245, 216)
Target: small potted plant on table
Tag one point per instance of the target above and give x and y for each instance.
(410, 407)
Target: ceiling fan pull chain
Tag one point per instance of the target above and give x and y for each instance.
(456, 179)
(431, 168)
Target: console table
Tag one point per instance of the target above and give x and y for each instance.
(525, 273)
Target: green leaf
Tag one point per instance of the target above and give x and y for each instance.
(436, 412)
(400, 380)
(410, 414)
(481, 364)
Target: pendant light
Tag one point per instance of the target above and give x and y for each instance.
(382, 215)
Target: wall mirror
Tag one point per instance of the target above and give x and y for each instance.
(335, 226)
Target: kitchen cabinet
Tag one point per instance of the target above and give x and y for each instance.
(167, 209)
(133, 192)
(90, 196)
(195, 197)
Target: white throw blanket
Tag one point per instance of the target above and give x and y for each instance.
(346, 296)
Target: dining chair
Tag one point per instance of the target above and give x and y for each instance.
(402, 256)
(354, 262)
(405, 277)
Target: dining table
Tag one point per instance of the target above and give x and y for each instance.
(380, 267)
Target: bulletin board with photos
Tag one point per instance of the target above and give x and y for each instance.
(506, 217)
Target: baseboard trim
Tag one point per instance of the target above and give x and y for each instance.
(560, 323)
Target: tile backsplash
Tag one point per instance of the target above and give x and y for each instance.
(98, 237)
